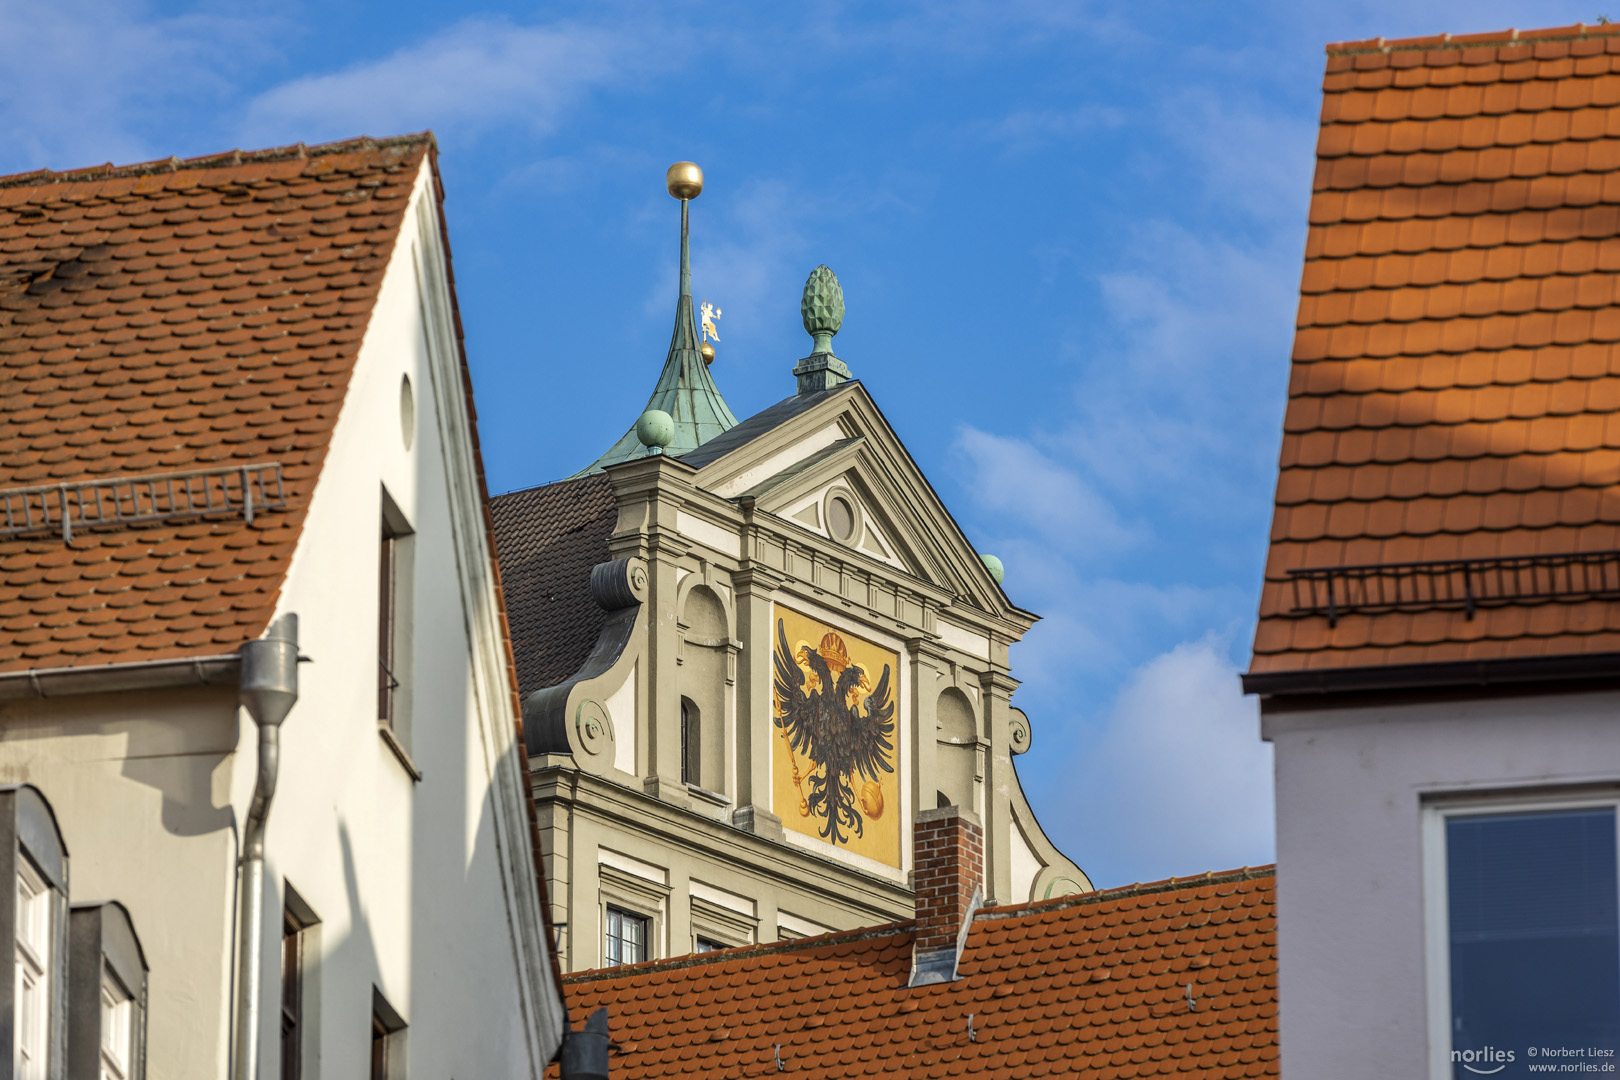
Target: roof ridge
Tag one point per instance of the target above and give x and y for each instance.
(1097, 896)
(836, 937)
(1573, 32)
(227, 159)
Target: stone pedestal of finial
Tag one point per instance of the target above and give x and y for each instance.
(823, 311)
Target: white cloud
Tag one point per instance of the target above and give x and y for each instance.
(478, 72)
(1012, 479)
(1179, 781)
(82, 80)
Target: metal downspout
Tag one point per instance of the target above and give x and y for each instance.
(269, 688)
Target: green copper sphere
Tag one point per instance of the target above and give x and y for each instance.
(823, 303)
(993, 564)
(656, 429)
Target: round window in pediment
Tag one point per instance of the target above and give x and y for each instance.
(840, 518)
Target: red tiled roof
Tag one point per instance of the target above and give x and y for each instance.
(1455, 391)
(1093, 985)
(173, 316)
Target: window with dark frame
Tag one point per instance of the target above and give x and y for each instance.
(626, 937)
(709, 945)
(292, 996)
(387, 611)
(379, 1048)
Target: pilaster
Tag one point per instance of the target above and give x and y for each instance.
(650, 491)
(929, 662)
(755, 586)
(997, 689)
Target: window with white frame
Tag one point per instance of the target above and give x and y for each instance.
(626, 937)
(116, 1007)
(33, 964)
(1524, 936)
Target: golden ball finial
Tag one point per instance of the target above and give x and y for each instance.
(684, 180)
(708, 353)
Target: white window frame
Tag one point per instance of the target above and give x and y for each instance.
(1436, 915)
(117, 1032)
(31, 953)
(631, 915)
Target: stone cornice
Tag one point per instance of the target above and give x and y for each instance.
(596, 797)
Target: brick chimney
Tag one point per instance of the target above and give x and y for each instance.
(948, 878)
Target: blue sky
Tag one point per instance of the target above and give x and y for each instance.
(1069, 235)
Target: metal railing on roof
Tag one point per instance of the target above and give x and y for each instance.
(1455, 584)
(118, 501)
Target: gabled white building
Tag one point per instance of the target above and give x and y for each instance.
(237, 427)
(1439, 636)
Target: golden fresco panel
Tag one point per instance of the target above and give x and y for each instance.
(834, 745)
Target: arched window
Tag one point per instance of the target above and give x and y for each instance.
(956, 755)
(702, 683)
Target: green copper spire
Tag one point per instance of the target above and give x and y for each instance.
(685, 389)
(823, 312)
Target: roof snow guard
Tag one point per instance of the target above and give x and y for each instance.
(1450, 463)
(169, 331)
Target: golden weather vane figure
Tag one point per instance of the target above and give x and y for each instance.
(710, 313)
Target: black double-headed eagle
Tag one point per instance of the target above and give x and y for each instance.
(826, 715)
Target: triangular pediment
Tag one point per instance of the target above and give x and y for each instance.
(829, 464)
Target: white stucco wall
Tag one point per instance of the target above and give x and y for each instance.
(425, 889)
(139, 784)
(1351, 784)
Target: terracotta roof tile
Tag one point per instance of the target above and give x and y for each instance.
(142, 330)
(1456, 385)
(1095, 985)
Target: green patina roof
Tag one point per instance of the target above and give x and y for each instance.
(685, 389)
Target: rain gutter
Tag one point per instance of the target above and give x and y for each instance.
(117, 678)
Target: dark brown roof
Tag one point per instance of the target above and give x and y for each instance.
(1094, 985)
(1455, 392)
(549, 538)
(175, 316)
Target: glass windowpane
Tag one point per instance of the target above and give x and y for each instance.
(1533, 914)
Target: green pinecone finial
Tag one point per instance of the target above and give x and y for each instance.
(822, 308)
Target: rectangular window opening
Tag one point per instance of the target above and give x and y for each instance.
(387, 611)
(1532, 935)
(117, 1005)
(626, 937)
(292, 996)
(691, 742)
(33, 963)
(387, 1028)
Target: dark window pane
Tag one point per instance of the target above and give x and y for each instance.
(1533, 904)
(379, 1049)
(292, 997)
(386, 596)
(691, 742)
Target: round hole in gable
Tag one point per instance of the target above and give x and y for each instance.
(407, 411)
(840, 518)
